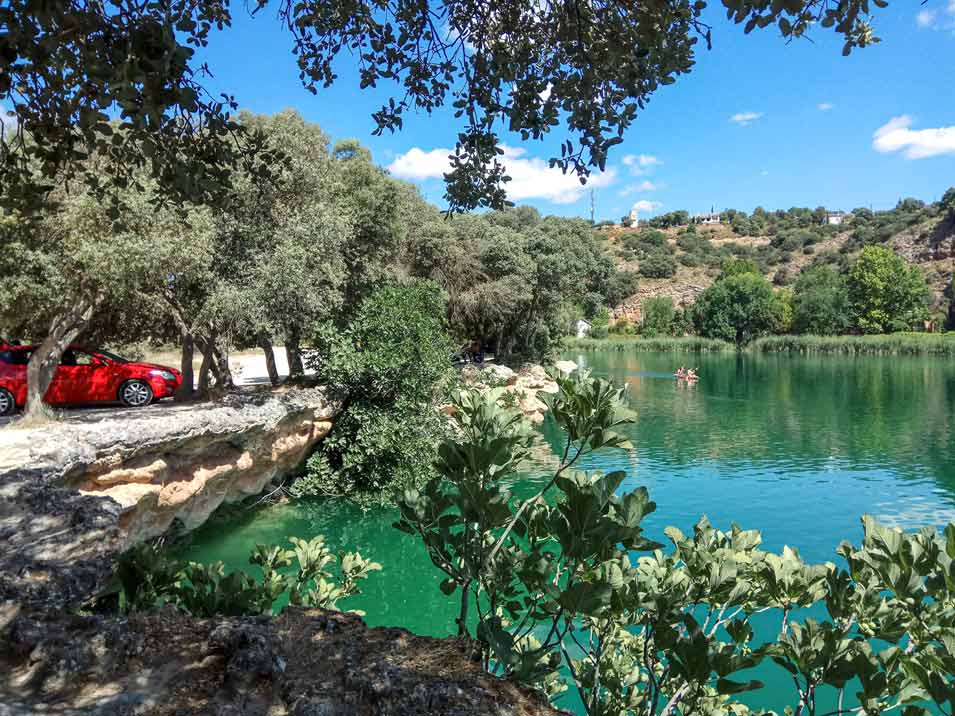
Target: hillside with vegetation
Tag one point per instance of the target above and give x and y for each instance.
(675, 258)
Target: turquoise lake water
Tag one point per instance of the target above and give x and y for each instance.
(796, 447)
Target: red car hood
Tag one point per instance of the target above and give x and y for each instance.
(153, 366)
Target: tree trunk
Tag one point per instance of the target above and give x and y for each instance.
(207, 349)
(294, 352)
(266, 345)
(43, 362)
(223, 372)
(190, 342)
(187, 387)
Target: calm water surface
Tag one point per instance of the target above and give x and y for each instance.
(796, 447)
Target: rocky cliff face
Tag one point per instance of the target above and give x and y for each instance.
(75, 493)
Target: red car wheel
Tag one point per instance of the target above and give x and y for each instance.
(135, 394)
(7, 402)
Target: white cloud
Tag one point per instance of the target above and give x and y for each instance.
(937, 19)
(647, 206)
(640, 164)
(896, 135)
(531, 178)
(641, 160)
(764, 173)
(6, 122)
(745, 118)
(825, 106)
(418, 165)
(925, 18)
(645, 185)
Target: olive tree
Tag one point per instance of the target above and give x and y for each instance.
(78, 261)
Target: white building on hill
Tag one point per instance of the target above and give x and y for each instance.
(634, 216)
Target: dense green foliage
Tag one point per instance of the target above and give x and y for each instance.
(65, 70)
(514, 281)
(659, 314)
(564, 588)
(146, 578)
(283, 256)
(738, 307)
(886, 293)
(821, 302)
(389, 368)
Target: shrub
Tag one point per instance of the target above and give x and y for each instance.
(690, 260)
(658, 264)
(622, 325)
(389, 368)
(571, 588)
(658, 315)
(694, 243)
(145, 579)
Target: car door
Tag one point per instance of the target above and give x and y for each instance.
(71, 379)
(81, 379)
(13, 372)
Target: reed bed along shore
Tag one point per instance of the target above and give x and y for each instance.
(914, 344)
(682, 344)
(892, 344)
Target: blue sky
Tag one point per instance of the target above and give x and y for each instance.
(758, 122)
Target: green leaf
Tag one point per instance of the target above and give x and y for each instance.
(726, 686)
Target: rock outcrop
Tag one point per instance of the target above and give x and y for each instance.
(76, 492)
(523, 384)
(299, 663)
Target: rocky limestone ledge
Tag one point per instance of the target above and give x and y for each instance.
(299, 663)
(77, 492)
(524, 384)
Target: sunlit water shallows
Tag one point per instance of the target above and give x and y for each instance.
(798, 448)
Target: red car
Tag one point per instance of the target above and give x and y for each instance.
(86, 376)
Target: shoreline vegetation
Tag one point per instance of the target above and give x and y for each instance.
(914, 344)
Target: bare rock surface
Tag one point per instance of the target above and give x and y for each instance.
(299, 663)
(75, 492)
(524, 384)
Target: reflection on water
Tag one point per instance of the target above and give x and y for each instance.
(798, 448)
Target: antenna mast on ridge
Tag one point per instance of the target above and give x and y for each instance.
(593, 206)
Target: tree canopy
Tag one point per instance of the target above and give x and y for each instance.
(821, 302)
(67, 67)
(738, 308)
(885, 291)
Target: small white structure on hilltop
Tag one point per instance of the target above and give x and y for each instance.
(837, 218)
(634, 216)
(711, 218)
